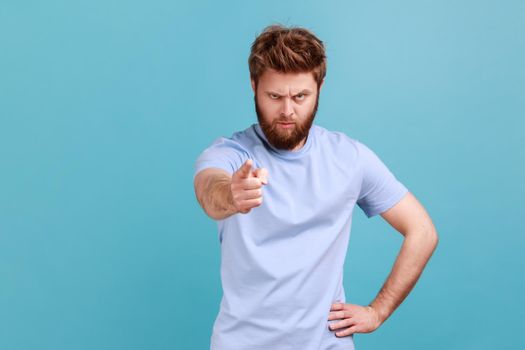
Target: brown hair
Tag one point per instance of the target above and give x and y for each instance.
(287, 50)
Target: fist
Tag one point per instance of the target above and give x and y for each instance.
(246, 187)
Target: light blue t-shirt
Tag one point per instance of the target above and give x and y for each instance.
(282, 263)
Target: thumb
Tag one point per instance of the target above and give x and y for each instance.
(261, 173)
(245, 170)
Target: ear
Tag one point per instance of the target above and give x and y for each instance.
(253, 85)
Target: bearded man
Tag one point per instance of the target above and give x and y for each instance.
(282, 257)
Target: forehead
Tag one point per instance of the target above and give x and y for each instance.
(285, 82)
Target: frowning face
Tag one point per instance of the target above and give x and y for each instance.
(286, 104)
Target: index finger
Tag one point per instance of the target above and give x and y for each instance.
(246, 168)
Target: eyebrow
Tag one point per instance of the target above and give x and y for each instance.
(304, 91)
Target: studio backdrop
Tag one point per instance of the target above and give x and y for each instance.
(105, 106)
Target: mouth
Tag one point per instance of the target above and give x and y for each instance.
(286, 125)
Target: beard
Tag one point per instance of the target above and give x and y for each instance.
(286, 139)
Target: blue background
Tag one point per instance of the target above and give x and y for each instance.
(105, 105)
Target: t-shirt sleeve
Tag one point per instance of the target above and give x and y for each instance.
(223, 153)
(380, 189)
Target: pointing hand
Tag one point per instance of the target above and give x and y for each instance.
(246, 187)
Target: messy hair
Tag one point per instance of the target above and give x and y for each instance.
(287, 50)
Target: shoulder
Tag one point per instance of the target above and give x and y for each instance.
(227, 153)
(336, 139)
(237, 142)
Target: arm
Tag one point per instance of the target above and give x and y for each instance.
(409, 218)
(420, 240)
(213, 192)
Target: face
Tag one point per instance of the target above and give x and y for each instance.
(286, 105)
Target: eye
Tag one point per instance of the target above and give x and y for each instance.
(300, 97)
(274, 96)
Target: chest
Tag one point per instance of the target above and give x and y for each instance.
(309, 190)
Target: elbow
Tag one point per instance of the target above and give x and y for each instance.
(214, 216)
(428, 235)
(201, 202)
(210, 213)
(432, 238)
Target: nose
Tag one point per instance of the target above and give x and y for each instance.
(287, 108)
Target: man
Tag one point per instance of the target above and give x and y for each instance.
(283, 193)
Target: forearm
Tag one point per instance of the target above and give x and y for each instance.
(216, 197)
(414, 254)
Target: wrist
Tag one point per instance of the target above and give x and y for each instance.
(381, 314)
